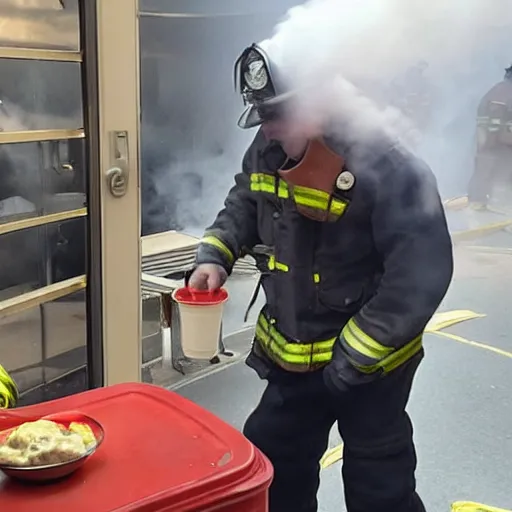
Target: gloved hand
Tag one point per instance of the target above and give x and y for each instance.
(340, 375)
(207, 276)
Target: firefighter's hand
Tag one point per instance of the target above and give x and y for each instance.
(207, 276)
(340, 375)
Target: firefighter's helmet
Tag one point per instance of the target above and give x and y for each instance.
(8, 390)
(263, 91)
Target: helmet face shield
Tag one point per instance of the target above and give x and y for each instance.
(255, 82)
(256, 114)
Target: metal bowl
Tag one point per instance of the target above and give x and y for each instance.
(53, 472)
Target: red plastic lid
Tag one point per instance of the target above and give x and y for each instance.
(193, 297)
(161, 452)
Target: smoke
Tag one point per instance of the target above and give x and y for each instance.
(343, 57)
(340, 56)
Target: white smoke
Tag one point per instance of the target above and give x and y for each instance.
(324, 48)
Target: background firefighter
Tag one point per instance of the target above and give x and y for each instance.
(357, 257)
(493, 159)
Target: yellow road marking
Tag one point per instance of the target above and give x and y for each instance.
(476, 344)
(470, 234)
(470, 506)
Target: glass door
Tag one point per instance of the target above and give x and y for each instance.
(69, 195)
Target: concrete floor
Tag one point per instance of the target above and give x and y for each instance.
(461, 403)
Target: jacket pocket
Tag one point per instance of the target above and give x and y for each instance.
(345, 297)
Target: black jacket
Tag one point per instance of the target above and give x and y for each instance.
(386, 263)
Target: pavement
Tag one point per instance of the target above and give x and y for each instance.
(461, 403)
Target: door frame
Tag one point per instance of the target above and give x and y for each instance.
(110, 77)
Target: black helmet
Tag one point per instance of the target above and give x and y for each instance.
(257, 80)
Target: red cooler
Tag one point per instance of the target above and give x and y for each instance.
(161, 453)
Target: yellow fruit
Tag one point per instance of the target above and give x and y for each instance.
(84, 431)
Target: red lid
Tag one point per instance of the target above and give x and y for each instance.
(161, 452)
(193, 297)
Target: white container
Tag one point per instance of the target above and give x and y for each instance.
(200, 321)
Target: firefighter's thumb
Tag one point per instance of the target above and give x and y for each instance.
(208, 276)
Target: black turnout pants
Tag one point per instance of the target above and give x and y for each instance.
(291, 426)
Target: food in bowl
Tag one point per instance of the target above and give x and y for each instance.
(45, 443)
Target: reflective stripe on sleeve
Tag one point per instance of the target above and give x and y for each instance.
(387, 358)
(220, 245)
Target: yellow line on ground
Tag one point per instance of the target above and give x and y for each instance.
(476, 344)
(471, 506)
(470, 234)
(489, 249)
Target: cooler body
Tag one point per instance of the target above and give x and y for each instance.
(161, 453)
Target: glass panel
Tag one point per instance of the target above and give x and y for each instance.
(48, 24)
(41, 178)
(36, 257)
(43, 344)
(40, 95)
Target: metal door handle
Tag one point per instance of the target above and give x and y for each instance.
(117, 175)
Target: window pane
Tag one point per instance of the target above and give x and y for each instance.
(40, 95)
(41, 178)
(49, 24)
(43, 344)
(36, 257)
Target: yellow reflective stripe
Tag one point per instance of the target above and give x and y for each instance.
(310, 197)
(316, 278)
(304, 196)
(338, 207)
(304, 349)
(395, 360)
(8, 390)
(402, 355)
(5, 396)
(321, 351)
(362, 343)
(276, 265)
(268, 342)
(219, 244)
(8, 381)
(283, 191)
(261, 182)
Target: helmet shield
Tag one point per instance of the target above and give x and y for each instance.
(255, 80)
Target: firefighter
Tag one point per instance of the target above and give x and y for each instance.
(8, 390)
(494, 142)
(358, 257)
